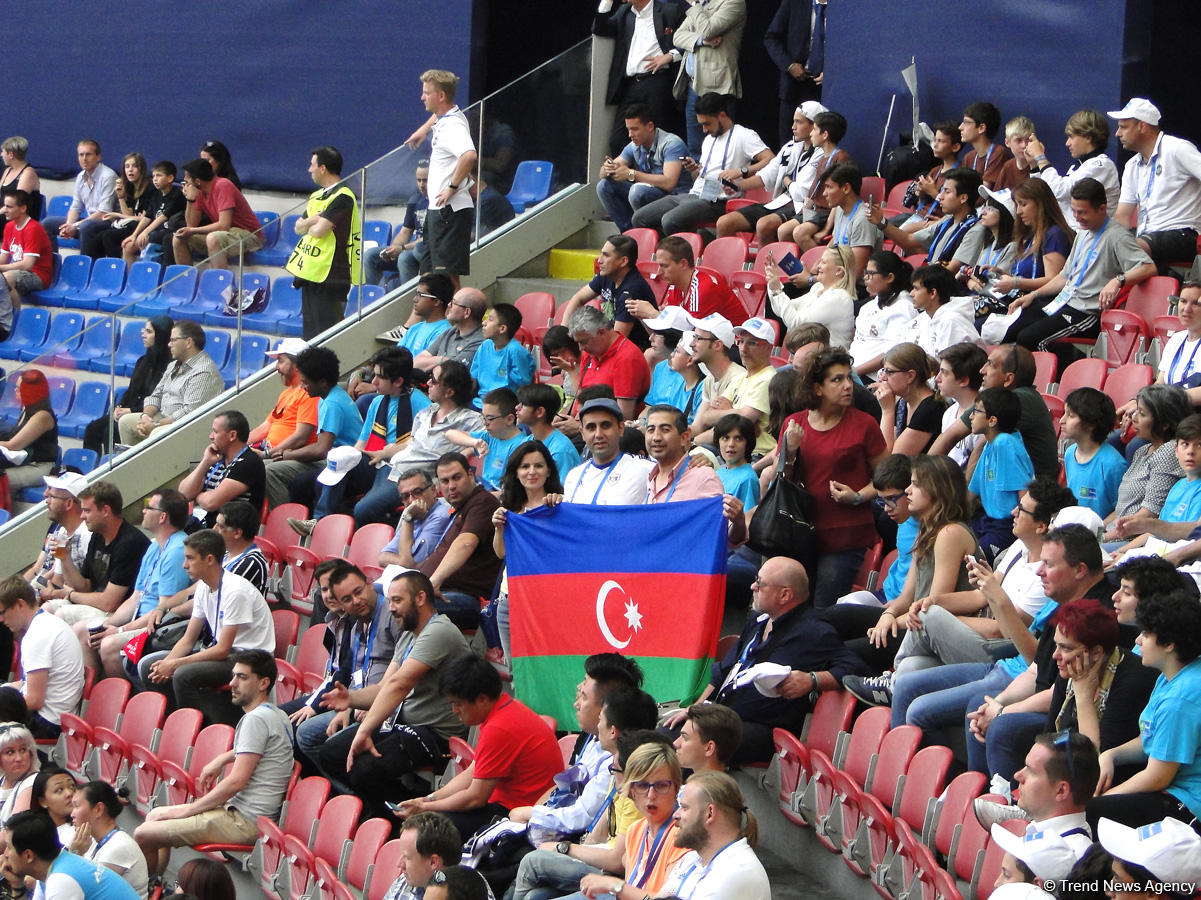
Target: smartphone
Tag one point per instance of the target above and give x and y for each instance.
(728, 183)
(973, 560)
(393, 808)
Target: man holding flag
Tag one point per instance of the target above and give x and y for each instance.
(784, 658)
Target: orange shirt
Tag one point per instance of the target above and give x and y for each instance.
(293, 407)
(640, 849)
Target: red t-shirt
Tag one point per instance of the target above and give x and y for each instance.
(840, 454)
(706, 296)
(519, 750)
(622, 367)
(223, 195)
(30, 240)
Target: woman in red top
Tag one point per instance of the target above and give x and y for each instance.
(837, 448)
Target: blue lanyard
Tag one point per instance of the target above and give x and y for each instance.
(1142, 207)
(604, 477)
(364, 664)
(994, 255)
(704, 872)
(100, 843)
(675, 481)
(933, 255)
(1172, 376)
(648, 854)
(725, 148)
(841, 235)
(1090, 257)
(988, 156)
(220, 585)
(751, 646)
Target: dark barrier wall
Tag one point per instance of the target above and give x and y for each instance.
(269, 78)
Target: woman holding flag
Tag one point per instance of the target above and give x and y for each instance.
(530, 480)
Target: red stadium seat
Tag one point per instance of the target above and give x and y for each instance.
(103, 711)
(143, 716)
(175, 745)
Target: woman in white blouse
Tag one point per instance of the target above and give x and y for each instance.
(830, 301)
(886, 315)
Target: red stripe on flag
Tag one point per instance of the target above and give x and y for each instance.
(638, 614)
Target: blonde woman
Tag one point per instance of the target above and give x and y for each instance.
(830, 301)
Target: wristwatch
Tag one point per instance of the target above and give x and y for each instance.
(746, 171)
(630, 176)
(1121, 277)
(563, 847)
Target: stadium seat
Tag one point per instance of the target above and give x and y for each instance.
(174, 743)
(537, 308)
(331, 843)
(1124, 382)
(751, 290)
(64, 336)
(1149, 298)
(250, 281)
(695, 241)
(777, 250)
(953, 805)
(462, 754)
(646, 239)
(819, 807)
(894, 204)
(865, 577)
(91, 402)
(985, 878)
(129, 350)
(873, 189)
(141, 281)
(1055, 408)
(282, 314)
(289, 681)
(78, 457)
(96, 343)
(212, 292)
(177, 289)
(58, 205)
(287, 626)
(367, 542)
(268, 233)
(368, 840)
(179, 782)
(30, 330)
(143, 716)
(216, 345)
(62, 391)
(896, 750)
(1046, 367)
(727, 255)
(312, 658)
(277, 254)
(360, 297)
(299, 819)
(107, 279)
(252, 351)
(810, 257)
(377, 230)
(1082, 373)
(383, 871)
(329, 539)
(1125, 335)
(649, 269)
(794, 763)
(103, 710)
(531, 184)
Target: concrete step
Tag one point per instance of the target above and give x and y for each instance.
(510, 288)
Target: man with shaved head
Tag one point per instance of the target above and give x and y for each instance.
(466, 316)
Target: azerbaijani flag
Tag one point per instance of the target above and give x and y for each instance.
(645, 581)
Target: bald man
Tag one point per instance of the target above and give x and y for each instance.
(465, 315)
(783, 628)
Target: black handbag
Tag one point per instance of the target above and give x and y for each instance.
(782, 524)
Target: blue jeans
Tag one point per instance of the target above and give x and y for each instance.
(621, 199)
(834, 575)
(546, 874)
(938, 697)
(362, 478)
(310, 734)
(392, 274)
(462, 608)
(379, 504)
(1007, 742)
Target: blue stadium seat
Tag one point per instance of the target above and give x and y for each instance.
(369, 294)
(254, 349)
(10, 409)
(58, 205)
(250, 281)
(377, 230)
(62, 391)
(211, 293)
(178, 287)
(531, 184)
(282, 313)
(269, 234)
(108, 277)
(5, 515)
(73, 277)
(94, 351)
(129, 349)
(216, 345)
(29, 330)
(64, 335)
(143, 280)
(91, 402)
(79, 458)
(278, 254)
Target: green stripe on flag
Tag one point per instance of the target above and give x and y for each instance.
(547, 684)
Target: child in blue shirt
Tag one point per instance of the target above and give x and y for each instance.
(537, 406)
(735, 436)
(499, 437)
(1181, 509)
(1094, 468)
(501, 361)
(1003, 469)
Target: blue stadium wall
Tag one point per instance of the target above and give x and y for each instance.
(269, 78)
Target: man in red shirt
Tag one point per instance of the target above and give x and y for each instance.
(609, 357)
(217, 202)
(700, 293)
(26, 258)
(516, 756)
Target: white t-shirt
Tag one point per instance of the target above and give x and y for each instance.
(962, 451)
(1019, 579)
(1166, 187)
(1180, 358)
(237, 603)
(735, 873)
(50, 644)
(736, 148)
(450, 139)
(624, 485)
(121, 853)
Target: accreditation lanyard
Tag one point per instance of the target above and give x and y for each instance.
(675, 481)
(703, 873)
(842, 233)
(1142, 207)
(725, 149)
(100, 843)
(1090, 257)
(1175, 377)
(937, 248)
(994, 254)
(648, 854)
(364, 663)
(600, 484)
(751, 646)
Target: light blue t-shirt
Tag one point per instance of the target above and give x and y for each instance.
(161, 574)
(1095, 483)
(497, 456)
(389, 420)
(743, 483)
(668, 386)
(336, 413)
(906, 535)
(1183, 503)
(1004, 470)
(563, 452)
(510, 367)
(93, 880)
(421, 335)
(1170, 727)
(1015, 665)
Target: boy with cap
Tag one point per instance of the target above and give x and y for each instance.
(1154, 859)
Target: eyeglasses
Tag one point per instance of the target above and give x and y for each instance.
(1021, 509)
(867, 273)
(1063, 741)
(435, 381)
(977, 409)
(887, 372)
(759, 582)
(415, 493)
(659, 787)
(490, 419)
(890, 501)
(614, 769)
(459, 304)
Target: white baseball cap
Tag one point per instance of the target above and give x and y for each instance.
(1138, 108)
(756, 327)
(669, 318)
(1004, 198)
(717, 325)
(1047, 854)
(339, 461)
(71, 482)
(1169, 850)
(1079, 515)
(289, 347)
(810, 108)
